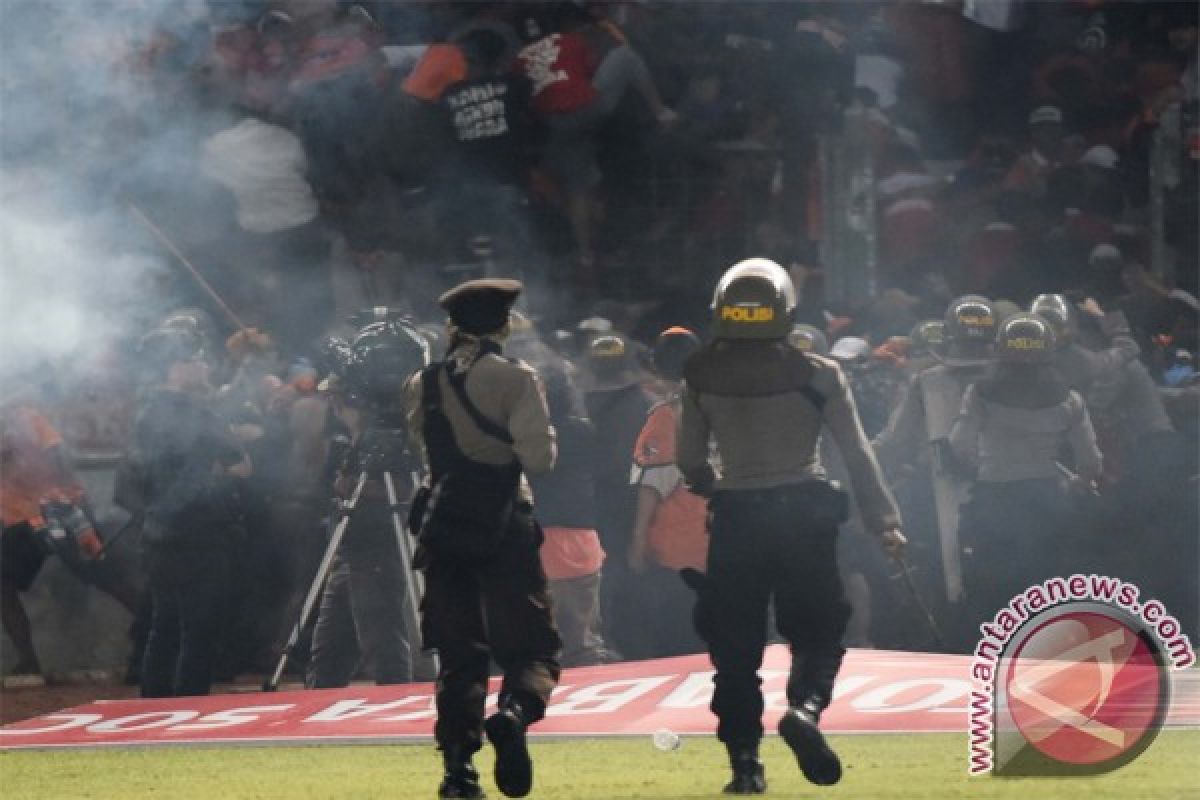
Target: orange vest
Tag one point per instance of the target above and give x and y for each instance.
(678, 535)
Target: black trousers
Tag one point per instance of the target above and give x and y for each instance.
(765, 546)
(362, 618)
(477, 611)
(1015, 531)
(188, 587)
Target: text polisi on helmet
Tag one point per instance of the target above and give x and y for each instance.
(754, 299)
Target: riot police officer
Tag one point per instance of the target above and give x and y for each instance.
(1080, 365)
(482, 422)
(1013, 425)
(774, 516)
(925, 414)
(925, 342)
(809, 339)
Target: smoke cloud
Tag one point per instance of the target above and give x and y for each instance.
(93, 114)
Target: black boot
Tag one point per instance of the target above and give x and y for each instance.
(748, 774)
(506, 731)
(818, 762)
(461, 779)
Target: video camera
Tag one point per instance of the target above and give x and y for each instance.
(371, 369)
(382, 355)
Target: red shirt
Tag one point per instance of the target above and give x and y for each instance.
(560, 67)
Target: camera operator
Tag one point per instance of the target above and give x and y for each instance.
(482, 423)
(189, 460)
(362, 619)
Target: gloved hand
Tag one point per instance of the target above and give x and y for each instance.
(702, 482)
(893, 542)
(90, 544)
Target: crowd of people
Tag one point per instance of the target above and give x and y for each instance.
(328, 156)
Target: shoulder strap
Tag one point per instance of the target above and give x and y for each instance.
(440, 445)
(459, 384)
(431, 392)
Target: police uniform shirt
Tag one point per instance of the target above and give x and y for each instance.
(749, 397)
(1008, 443)
(506, 391)
(1080, 365)
(926, 411)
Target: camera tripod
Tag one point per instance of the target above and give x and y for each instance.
(403, 543)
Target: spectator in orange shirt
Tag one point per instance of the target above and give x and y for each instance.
(443, 64)
(33, 471)
(670, 526)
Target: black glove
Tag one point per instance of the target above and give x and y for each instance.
(701, 482)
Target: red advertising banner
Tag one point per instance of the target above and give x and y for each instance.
(877, 691)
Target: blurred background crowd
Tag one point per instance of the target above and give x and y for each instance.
(256, 171)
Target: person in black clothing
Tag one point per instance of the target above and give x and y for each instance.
(362, 616)
(248, 405)
(490, 130)
(617, 405)
(488, 116)
(566, 502)
(188, 458)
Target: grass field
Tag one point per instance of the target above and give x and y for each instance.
(889, 766)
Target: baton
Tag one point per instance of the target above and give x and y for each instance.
(1074, 478)
(930, 622)
(167, 243)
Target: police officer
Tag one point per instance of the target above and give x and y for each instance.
(809, 339)
(924, 416)
(189, 458)
(774, 517)
(1013, 425)
(1081, 365)
(1118, 390)
(925, 342)
(1146, 462)
(495, 606)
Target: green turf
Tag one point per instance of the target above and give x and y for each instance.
(896, 766)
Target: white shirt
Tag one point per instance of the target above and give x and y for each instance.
(264, 166)
(881, 75)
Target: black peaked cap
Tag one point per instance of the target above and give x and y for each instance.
(481, 306)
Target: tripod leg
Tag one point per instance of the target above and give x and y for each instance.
(314, 591)
(414, 583)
